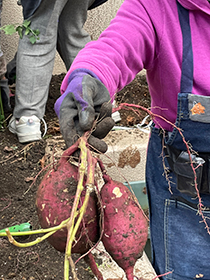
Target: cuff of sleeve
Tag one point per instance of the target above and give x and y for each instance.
(70, 76)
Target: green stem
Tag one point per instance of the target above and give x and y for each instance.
(37, 231)
(80, 188)
(48, 232)
(89, 189)
(24, 245)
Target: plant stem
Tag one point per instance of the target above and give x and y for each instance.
(80, 188)
(153, 116)
(73, 268)
(37, 231)
(48, 232)
(24, 245)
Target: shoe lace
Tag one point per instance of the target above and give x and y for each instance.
(45, 127)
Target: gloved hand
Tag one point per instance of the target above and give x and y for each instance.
(85, 100)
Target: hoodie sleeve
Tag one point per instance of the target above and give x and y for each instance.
(126, 47)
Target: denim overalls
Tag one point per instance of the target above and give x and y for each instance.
(180, 242)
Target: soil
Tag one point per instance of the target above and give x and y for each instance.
(20, 165)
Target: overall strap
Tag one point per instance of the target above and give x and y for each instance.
(187, 56)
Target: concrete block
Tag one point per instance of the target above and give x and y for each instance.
(126, 156)
(111, 271)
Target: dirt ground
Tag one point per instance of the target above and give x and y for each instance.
(19, 166)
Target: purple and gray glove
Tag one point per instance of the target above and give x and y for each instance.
(85, 100)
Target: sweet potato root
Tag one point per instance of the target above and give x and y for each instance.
(54, 202)
(125, 226)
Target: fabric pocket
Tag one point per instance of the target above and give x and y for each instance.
(188, 250)
(205, 183)
(185, 175)
(180, 164)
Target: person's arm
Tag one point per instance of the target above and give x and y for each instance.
(104, 67)
(123, 49)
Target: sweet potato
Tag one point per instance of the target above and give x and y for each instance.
(54, 201)
(125, 226)
(55, 197)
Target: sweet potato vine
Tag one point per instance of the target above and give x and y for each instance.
(137, 109)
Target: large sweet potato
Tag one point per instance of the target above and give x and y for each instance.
(54, 201)
(125, 226)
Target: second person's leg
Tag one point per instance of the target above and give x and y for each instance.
(34, 71)
(71, 35)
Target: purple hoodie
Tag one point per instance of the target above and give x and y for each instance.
(147, 34)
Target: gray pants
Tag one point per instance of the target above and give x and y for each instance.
(60, 23)
(3, 65)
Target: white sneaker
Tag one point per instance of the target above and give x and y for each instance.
(27, 129)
